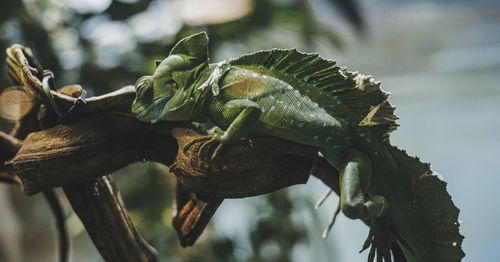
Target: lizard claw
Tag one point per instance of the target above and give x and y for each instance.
(217, 150)
(379, 240)
(207, 142)
(205, 147)
(196, 140)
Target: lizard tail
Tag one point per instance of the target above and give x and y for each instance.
(432, 230)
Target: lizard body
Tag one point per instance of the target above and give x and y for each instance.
(282, 108)
(309, 100)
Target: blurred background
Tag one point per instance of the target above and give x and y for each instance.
(440, 60)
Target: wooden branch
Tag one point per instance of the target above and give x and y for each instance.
(42, 117)
(20, 59)
(73, 154)
(9, 146)
(97, 202)
(248, 168)
(101, 209)
(94, 146)
(327, 174)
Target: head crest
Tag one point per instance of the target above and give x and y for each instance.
(193, 47)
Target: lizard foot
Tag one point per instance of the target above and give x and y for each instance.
(208, 142)
(379, 238)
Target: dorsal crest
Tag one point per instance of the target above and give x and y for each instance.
(355, 97)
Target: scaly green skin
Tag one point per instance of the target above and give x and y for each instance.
(276, 109)
(308, 100)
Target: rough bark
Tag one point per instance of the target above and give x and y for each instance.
(100, 207)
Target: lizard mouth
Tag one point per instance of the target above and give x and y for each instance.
(150, 112)
(147, 107)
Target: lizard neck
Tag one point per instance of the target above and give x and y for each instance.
(202, 96)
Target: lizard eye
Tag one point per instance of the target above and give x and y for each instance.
(172, 84)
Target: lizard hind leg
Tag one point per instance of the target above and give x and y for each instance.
(355, 200)
(379, 240)
(357, 203)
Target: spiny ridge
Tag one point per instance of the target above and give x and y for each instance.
(354, 97)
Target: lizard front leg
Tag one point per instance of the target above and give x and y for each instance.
(244, 113)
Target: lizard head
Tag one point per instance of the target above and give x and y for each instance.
(168, 94)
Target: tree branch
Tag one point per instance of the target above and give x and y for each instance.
(42, 117)
(20, 69)
(8, 148)
(101, 209)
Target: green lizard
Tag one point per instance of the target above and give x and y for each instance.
(309, 100)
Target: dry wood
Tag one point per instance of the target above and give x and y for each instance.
(101, 209)
(94, 146)
(20, 59)
(110, 206)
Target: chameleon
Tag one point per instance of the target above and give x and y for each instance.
(306, 99)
